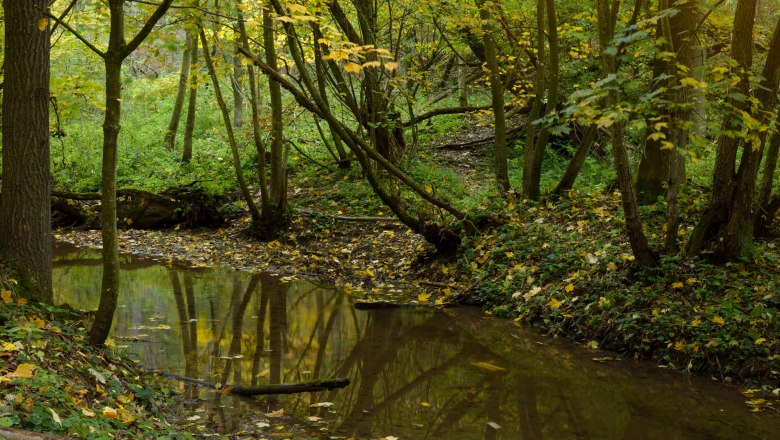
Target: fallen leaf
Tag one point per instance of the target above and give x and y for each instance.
(554, 304)
(423, 297)
(110, 413)
(276, 414)
(23, 371)
(488, 366)
(6, 296)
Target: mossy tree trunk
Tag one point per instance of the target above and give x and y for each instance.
(113, 57)
(181, 93)
(497, 94)
(726, 230)
(636, 236)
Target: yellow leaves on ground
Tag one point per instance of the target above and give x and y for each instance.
(718, 320)
(110, 413)
(569, 288)
(554, 304)
(760, 341)
(423, 297)
(678, 285)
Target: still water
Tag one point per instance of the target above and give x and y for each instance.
(416, 373)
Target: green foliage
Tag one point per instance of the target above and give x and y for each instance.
(52, 382)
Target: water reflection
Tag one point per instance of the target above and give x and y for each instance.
(415, 373)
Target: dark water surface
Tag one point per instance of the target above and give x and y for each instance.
(416, 373)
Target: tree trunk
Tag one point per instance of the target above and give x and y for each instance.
(636, 236)
(254, 102)
(663, 159)
(543, 134)
(764, 215)
(275, 212)
(238, 93)
(577, 161)
(497, 93)
(726, 228)
(189, 127)
(181, 93)
(536, 108)
(25, 218)
(247, 195)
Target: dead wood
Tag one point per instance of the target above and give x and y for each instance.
(282, 388)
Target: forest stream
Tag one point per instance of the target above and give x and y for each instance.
(416, 373)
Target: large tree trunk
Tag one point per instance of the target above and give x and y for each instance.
(726, 228)
(25, 220)
(181, 93)
(497, 94)
(662, 163)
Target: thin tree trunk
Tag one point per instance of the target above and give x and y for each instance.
(536, 108)
(25, 215)
(636, 236)
(254, 102)
(497, 94)
(238, 93)
(192, 103)
(181, 93)
(577, 161)
(540, 146)
(253, 211)
(278, 184)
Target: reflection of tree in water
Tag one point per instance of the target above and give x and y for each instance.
(413, 371)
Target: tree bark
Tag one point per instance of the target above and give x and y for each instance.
(497, 94)
(192, 102)
(247, 195)
(275, 211)
(636, 236)
(181, 93)
(116, 53)
(279, 388)
(25, 218)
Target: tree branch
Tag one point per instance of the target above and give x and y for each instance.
(148, 26)
(78, 36)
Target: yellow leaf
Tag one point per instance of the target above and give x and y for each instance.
(554, 304)
(593, 345)
(760, 341)
(87, 413)
(488, 366)
(691, 280)
(286, 19)
(351, 67)
(533, 292)
(679, 345)
(569, 288)
(126, 398)
(372, 64)
(695, 322)
(369, 272)
(6, 295)
(428, 189)
(110, 413)
(611, 267)
(603, 301)
(43, 23)
(23, 371)
(297, 9)
(425, 404)
(7, 346)
(125, 416)
(392, 65)
(423, 297)
(718, 320)
(677, 285)
(274, 245)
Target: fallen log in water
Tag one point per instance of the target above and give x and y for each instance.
(282, 388)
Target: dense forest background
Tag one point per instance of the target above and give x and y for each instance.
(545, 143)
